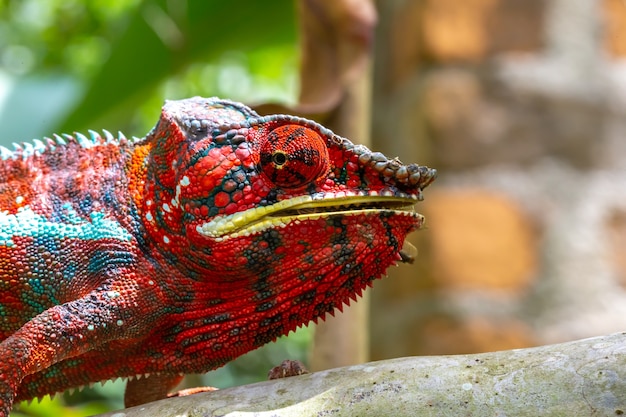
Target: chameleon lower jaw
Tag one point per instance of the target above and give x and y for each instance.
(408, 253)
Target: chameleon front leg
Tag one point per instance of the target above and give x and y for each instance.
(61, 332)
(154, 387)
(157, 387)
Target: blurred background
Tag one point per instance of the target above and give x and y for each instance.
(519, 104)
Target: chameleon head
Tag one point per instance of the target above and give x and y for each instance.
(277, 197)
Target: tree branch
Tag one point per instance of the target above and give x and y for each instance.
(585, 377)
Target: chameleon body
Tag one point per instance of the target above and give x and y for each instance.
(175, 253)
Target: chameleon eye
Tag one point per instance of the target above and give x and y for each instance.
(279, 158)
(292, 156)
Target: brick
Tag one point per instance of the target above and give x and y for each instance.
(480, 240)
(517, 26)
(466, 126)
(614, 13)
(456, 30)
(453, 103)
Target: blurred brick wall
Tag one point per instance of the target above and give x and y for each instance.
(520, 105)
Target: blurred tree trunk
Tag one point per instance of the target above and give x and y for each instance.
(336, 39)
(343, 339)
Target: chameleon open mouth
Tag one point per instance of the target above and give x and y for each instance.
(304, 208)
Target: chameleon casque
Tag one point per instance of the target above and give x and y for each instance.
(175, 253)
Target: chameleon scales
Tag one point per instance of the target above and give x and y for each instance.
(217, 232)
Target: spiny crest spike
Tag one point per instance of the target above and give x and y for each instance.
(29, 150)
(5, 153)
(59, 139)
(83, 141)
(108, 136)
(39, 146)
(95, 136)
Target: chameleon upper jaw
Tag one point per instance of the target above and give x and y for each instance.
(302, 208)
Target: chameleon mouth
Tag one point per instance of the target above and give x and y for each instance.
(303, 208)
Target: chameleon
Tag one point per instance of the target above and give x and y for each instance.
(216, 233)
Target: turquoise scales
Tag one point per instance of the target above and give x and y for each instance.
(27, 223)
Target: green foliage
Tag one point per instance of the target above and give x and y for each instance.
(69, 36)
(169, 39)
(70, 65)
(123, 58)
